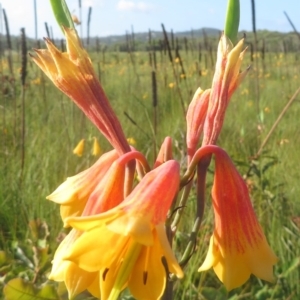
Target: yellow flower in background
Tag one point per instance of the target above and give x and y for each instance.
(96, 148)
(204, 72)
(131, 141)
(250, 103)
(36, 81)
(245, 92)
(78, 150)
(238, 247)
(171, 85)
(126, 244)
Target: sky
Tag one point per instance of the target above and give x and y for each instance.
(115, 17)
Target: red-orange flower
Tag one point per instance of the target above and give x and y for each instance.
(126, 244)
(238, 247)
(72, 72)
(226, 79)
(93, 191)
(74, 193)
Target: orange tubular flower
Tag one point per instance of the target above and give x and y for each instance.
(74, 193)
(226, 79)
(106, 195)
(238, 246)
(72, 72)
(127, 243)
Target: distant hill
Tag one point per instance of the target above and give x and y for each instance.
(140, 41)
(158, 35)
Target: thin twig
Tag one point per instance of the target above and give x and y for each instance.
(277, 122)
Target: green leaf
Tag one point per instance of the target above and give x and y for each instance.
(232, 20)
(18, 289)
(62, 13)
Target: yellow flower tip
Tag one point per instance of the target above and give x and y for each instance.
(76, 280)
(234, 269)
(96, 148)
(74, 47)
(74, 193)
(78, 150)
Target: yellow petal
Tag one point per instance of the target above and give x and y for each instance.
(211, 258)
(167, 251)
(77, 280)
(137, 226)
(96, 249)
(71, 210)
(94, 287)
(148, 277)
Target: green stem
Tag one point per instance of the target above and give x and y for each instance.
(126, 267)
(62, 14)
(232, 20)
(201, 188)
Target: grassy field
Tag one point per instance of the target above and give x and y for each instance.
(39, 128)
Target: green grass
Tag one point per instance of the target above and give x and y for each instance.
(54, 126)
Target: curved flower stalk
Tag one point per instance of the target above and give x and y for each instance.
(72, 72)
(238, 247)
(126, 244)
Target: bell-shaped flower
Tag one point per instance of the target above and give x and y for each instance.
(108, 194)
(72, 72)
(238, 247)
(226, 79)
(75, 191)
(128, 244)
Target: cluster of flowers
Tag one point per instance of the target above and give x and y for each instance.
(117, 208)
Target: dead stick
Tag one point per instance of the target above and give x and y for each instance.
(277, 121)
